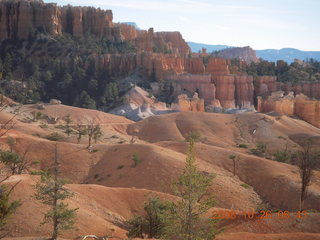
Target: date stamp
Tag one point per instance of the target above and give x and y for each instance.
(261, 215)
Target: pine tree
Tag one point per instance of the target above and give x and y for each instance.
(85, 101)
(185, 219)
(51, 191)
(68, 121)
(7, 208)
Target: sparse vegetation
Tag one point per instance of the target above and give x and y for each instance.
(193, 136)
(307, 159)
(136, 160)
(68, 121)
(282, 155)
(54, 137)
(94, 132)
(235, 159)
(11, 142)
(184, 218)
(81, 131)
(7, 207)
(43, 125)
(247, 186)
(260, 149)
(15, 162)
(50, 190)
(242, 145)
(151, 223)
(120, 167)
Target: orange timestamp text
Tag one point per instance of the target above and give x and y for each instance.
(261, 215)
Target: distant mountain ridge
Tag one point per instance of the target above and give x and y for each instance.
(286, 54)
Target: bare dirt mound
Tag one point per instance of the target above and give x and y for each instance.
(277, 183)
(223, 130)
(78, 115)
(101, 211)
(214, 128)
(158, 167)
(75, 159)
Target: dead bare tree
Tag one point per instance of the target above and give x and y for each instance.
(307, 158)
(81, 132)
(94, 132)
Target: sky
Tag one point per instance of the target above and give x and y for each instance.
(260, 24)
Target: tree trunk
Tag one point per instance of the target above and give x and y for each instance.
(55, 198)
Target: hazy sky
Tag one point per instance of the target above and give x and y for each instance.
(257, 23)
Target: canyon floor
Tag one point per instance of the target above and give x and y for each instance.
(107, 195)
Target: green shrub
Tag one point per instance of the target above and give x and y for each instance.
(44, 125)
(60, 127)
(242, 145)
(136, 160)
(282, 156)
(38, 173)
(120, 167)
(54, 137)
(245, 185)
(195, 136)
(260, 149)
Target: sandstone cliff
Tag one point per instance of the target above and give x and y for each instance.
(21, 18)
(300, 105)
(185, 104)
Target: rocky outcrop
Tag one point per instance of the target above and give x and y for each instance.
(310, 89)
(277, 102)
(265, 85)
(218, 67)
(308, 110)
(246, 54)
(190, 83)
(185, 104)
(21, 18)
(244, 91)
(300, 105)
(150, 41)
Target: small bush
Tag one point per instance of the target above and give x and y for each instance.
(247, 186)
(114, 136)
(193, 136)
(282, 156)
(60, 127)
(242, 145)
(43, 125)
(95, 150)
(260, 149)
(36, 173)
(136, 160)
(120, 167)
(54, 137)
